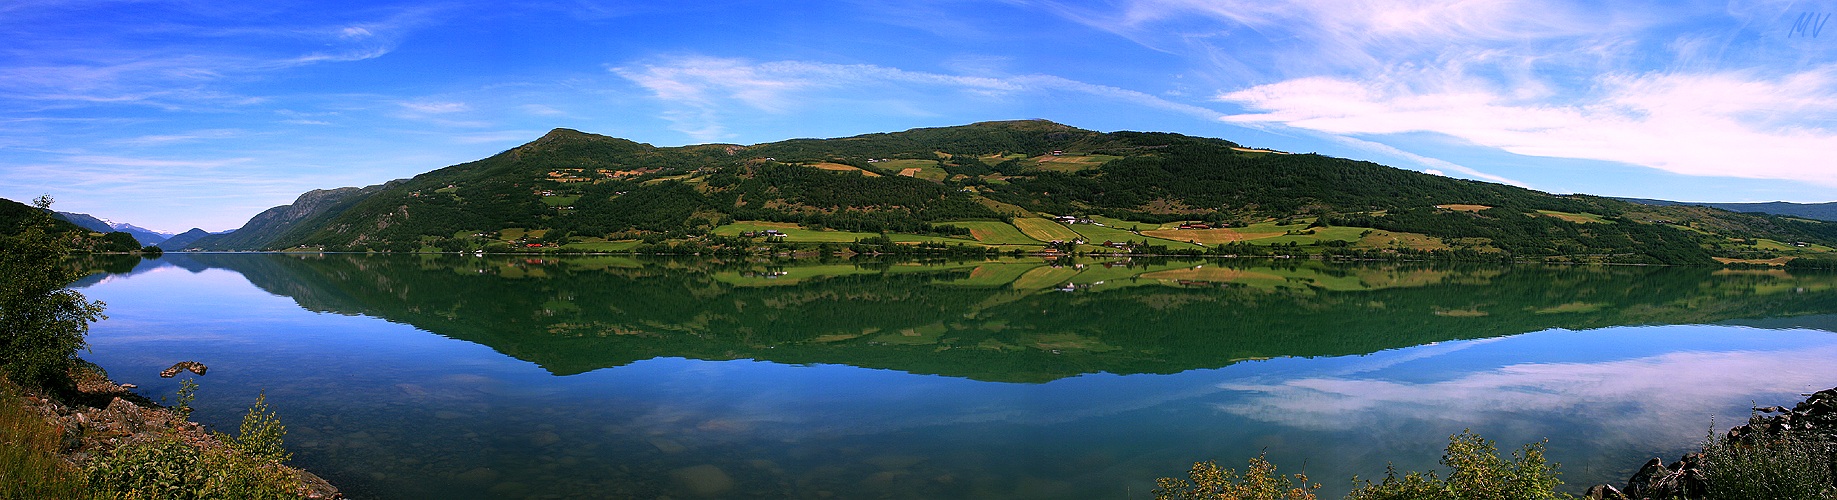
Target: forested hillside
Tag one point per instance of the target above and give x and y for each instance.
(16, 217)
(947, 185)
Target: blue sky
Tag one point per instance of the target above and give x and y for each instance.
(182, 114)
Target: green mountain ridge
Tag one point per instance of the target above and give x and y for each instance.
(1822, 211)
(571, 186)
(184, 240)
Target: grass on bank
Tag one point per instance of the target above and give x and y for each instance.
(160, 467)
(165, 467)
(29, 464)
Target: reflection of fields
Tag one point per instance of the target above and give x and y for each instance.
(1335, 370)
(1010, 320)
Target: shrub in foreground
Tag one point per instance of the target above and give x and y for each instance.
(1475, 472)
(1260, 481)
(1772, 465)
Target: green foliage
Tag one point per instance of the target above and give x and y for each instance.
(117, 242)
(1412, 486)
(1208, 481)
(42, 323)
(261, 433)
(1477, 473)
(1770, 465)
(188, 392)
(168, 468)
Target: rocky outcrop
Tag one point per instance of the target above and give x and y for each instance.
(1687, 477)
(191, 366)
(102, 416)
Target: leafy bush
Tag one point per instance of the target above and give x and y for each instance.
(261, 433)
(1776, 465)
(1259, 482)
(1477, 472)
(168, 468)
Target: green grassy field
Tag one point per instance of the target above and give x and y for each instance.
(601, 246)
(1575, 217)
(995, 233)
(516, 233)
(1099, 234)
(1044, 230)
(996, 273)
(801, 273)
(1390, 239)
(1072, 162)
(1007, 209)
(798, 234)
(1123, 224)
(559, 201)
(1044, 277)
(927, 169)
(1780, 246)
(1320, 234)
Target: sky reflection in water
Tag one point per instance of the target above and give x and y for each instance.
(385, 409)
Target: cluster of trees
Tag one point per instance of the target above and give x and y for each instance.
(42, 323)
(1529, 235)
(17, 218)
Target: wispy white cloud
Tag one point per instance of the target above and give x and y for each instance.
(1734, 124)
(1259, 39)
(1680, 88)
(172, 65)
(702, 91)
(1434, 166)
(197, 135)
(435, 107)
(506, 136)
(541, 110)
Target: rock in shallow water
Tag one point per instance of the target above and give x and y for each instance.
(704, 480)
(192, 366)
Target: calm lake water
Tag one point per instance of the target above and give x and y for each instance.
(611, 377)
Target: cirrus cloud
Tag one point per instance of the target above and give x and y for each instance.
(1731, 123)
(700, 92)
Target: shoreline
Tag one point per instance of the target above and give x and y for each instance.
(101, 416)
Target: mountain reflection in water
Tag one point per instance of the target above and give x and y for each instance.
(949, 379)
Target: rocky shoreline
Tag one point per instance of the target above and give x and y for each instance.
(102, 415)
(1687, 477)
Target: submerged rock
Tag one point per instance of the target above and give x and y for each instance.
(704, 480)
